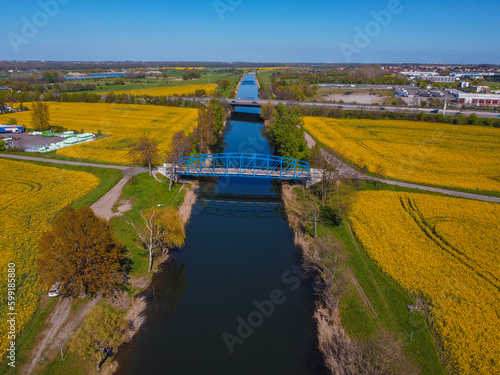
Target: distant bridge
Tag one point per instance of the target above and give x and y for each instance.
(242, 165)
(247, 103)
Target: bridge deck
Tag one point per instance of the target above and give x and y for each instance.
(237, 172)
(244, 165)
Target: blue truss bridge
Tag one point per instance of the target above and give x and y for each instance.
(243, 165)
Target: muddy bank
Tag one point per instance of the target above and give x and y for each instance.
(333, 342)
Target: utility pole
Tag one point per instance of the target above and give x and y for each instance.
(445, 103)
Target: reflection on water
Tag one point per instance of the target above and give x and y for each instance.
(167, 292)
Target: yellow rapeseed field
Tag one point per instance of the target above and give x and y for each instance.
(180, 90)
(30, 196)
(125, 123)
(455, 156)
(446, 250)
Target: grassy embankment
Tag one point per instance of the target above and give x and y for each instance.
(144, 192)
(234, 79)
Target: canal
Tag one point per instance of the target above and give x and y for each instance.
(233, 300)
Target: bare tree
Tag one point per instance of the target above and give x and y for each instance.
(146, 152)
(151, 234)
(329, 168)
(162, 229)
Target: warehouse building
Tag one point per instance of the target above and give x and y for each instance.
(487, 100)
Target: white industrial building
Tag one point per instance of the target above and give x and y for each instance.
(429, 76)
(443, 79)
(488, 100)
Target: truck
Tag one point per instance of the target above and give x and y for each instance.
(11, 129)
(436, 93)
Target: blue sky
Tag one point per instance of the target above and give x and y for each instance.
(256, 31)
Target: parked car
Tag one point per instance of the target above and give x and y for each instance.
(382, 108)
(55, 290)
(435, 111)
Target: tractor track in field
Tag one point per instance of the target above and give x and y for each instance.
(410, 206)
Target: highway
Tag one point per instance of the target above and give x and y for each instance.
(351, 107)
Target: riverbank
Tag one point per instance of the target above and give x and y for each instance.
(128, 305)
(239, 83)
(374, 349)
(137, 309)
(334, 344)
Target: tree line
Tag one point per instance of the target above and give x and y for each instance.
(204, 138)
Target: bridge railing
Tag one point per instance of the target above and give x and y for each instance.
(243, 164)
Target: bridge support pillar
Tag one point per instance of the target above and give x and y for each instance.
(166, 170)
(315, 176)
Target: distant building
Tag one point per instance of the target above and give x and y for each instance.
(5, 89)
(477, 99)
(480, 88)
(443, 79)
(464, 84)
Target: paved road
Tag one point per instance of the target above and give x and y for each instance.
(352, 107)
(56, 161)
(346, 171)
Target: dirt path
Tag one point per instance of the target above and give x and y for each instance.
(58, 333)
(63, 335)
(56, 320)
(104, 206)
(309, 140)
